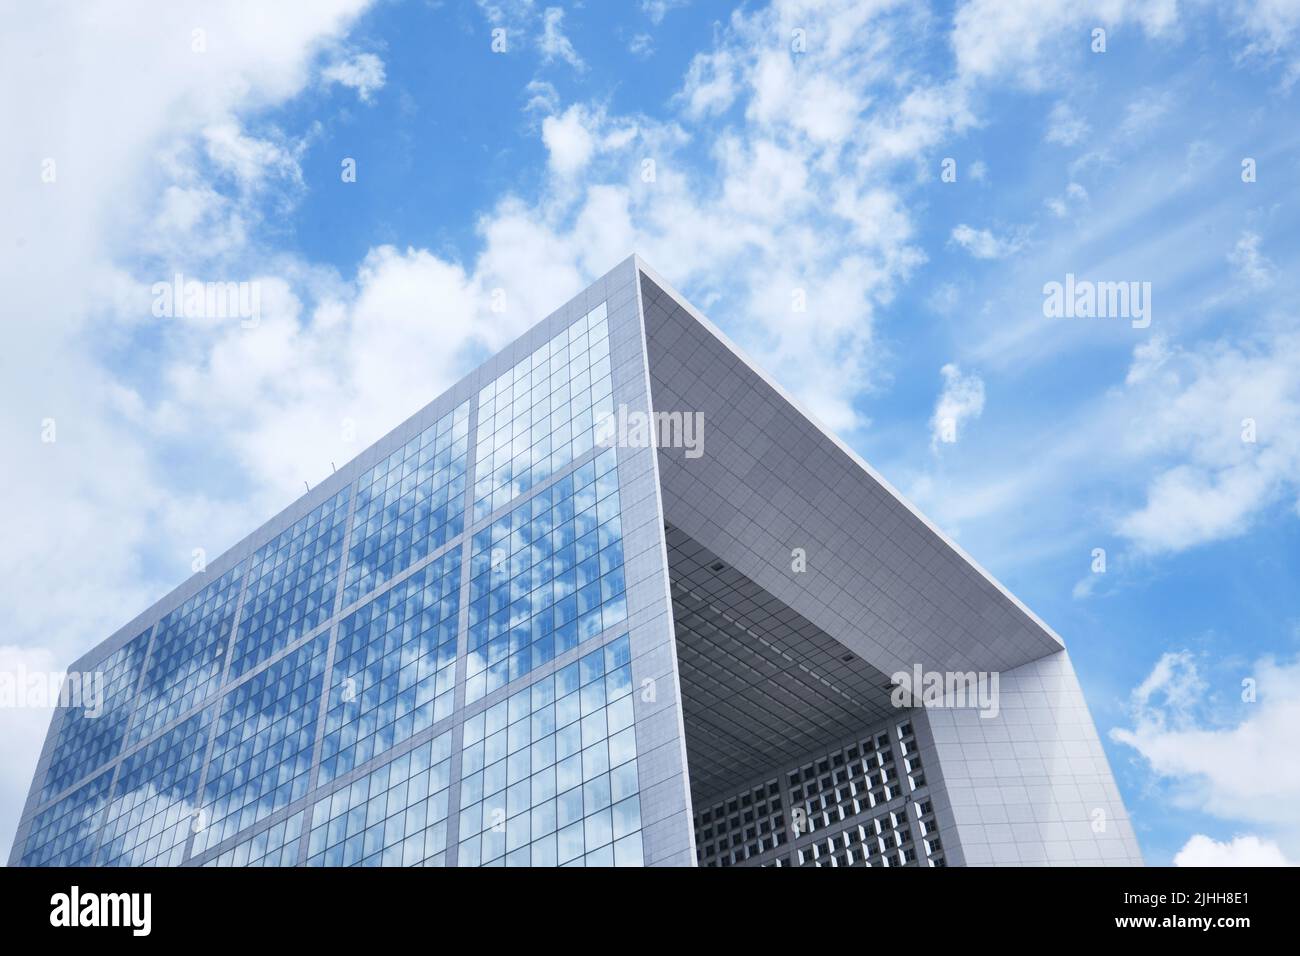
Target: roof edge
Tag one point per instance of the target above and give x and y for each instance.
(651, 274)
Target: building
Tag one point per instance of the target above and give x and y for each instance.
(515, 630)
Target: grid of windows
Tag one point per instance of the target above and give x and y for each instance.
(546, 577)
(744, 826)
(188, 654)
(409, 505)
(276, 845)
(65, 834)
(153, 806)
(846, 782)
(848, 807)
(929, 827)
(395, 667)
(881, 840)
(292, 583)
(541, 415)
(394, 816)
(907, 746)
(261, 759)
(87, 743)
(549, 775)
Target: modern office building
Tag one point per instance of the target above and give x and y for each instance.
(520, 630)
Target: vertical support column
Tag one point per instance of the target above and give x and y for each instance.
(668, 832)
(1024, 787)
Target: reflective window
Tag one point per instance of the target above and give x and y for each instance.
(153, 807)
(65, 834)
(549, 775)
(395, 667)
(394, 816)
(541, 415)
(292, 583)
(409, 505)
(546, 577)
(276, 845)
(261, 759)
(86, 743)
(188, 655)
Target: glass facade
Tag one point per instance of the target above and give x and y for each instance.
(396, 815)
(185, 662)
(273, 845)
(540, 416)
(87, 743)
(546, 577)
(362, 687)
(549, 776)
(394, 667)
(152, 809)
(409, 505)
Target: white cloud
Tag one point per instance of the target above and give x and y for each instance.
(1065, 127)
(250, 160)
(1142, 115)
(500, 12)
(1156, 459)
(1233, 760)
(1253, 267)
(158, 168)
(554, 44)
(1187, 506)
(1074, 196)
(1169, 695)
(960, 401)
(1027, 39)
(1201, 850)
(1084, 587)
(543, 98)
(944, 299)
(1198, 411)
(780, 204)
(24, 728)
(579, 133)
(1269, 25)
(711, 85)
(363, 72)
(568, 140)
(642, 45)
(656, 10)
(982, 244)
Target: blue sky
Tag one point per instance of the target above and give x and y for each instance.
(776, 171)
